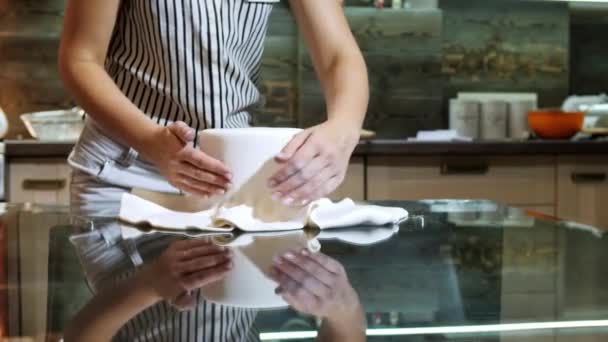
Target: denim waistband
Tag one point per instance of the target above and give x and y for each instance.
(111, 162)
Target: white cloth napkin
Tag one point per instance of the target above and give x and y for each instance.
(323, 214)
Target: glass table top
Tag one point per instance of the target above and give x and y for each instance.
(454, 271)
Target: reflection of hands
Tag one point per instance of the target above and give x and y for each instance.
(187, 265)
(315, 284)
(314, 163)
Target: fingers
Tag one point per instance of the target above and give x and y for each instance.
(190, 243)
(193, 171)
(197, 252)
(203, 263)
(302, 178)
(198, 159)
(182, 131)
(194, 248)
(306, 264)
(187, 169)
(207, 276)
(323, 188)
(295, 294)
(311, 283)
(294, 145)
(190, 190)
(293, 166)
(302, 300)
(299, 278)
(321, 184)
(201, 187)
(328, 263)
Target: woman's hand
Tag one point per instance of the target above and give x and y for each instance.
(315, 284)
(184, 266)
(186, 167)
(314, 163)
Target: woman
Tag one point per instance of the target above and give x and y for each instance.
(152, 73)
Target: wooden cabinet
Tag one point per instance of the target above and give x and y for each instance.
(47, 181)
(573, 188)
(582, 190)
(42, 181)
(520, 181)
(354, 182)
(28, 250)
(548, 210)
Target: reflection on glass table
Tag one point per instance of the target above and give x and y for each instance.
(441, 275)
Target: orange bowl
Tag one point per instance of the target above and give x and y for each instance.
(555, 124)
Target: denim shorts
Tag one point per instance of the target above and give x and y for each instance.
(103, 169)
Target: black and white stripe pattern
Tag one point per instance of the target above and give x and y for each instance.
(190, 60)
(207, 322)
(195, 61)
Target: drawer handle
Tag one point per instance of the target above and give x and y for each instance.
(464, 169)
(588, 177)
(44, 184)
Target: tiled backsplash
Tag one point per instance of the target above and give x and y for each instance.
(416, 59)
(29, 38)
(507, 46)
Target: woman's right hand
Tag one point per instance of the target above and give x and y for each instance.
(187, 168)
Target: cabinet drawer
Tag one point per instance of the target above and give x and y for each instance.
(540, 209)
(354, 182)
(42, 181)
(583, 190)
(519, 181)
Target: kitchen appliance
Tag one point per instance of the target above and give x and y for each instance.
(58, 125)
(555, 123)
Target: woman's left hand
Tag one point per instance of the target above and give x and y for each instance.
(314, 163)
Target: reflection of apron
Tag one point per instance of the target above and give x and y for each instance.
(110, 162)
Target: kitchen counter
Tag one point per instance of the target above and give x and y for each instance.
(37, 149)
(475, 270)
(402, 147)
(33, 149)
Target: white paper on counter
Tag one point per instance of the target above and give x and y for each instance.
(323, 213)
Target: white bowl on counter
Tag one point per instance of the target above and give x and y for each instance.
(56, 125)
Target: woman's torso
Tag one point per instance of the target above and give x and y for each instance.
(190, 60)
(197, 61)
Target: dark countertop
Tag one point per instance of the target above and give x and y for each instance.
(36, 149)
(402, 147)
(453, 265)
(32, 148)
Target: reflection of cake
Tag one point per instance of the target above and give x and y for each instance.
(247, 285)
(250, 154)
